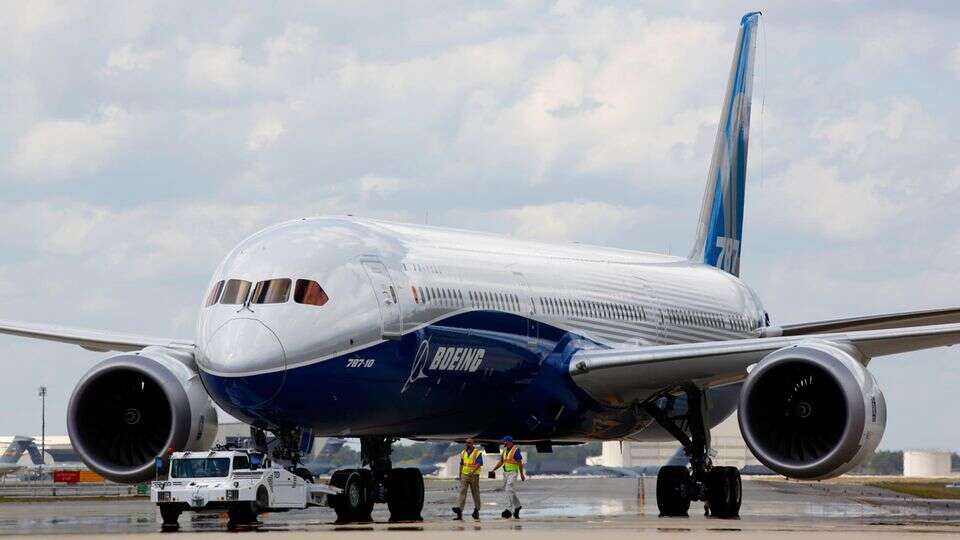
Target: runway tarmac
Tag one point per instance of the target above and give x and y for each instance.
(553, 507)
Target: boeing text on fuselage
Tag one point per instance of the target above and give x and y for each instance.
(465, 359)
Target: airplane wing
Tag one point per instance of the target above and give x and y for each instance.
(621, 375)
(875, 322)
(92, 340)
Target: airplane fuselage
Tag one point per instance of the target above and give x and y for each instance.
(441, 333)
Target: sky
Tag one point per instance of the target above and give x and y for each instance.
(141, 140)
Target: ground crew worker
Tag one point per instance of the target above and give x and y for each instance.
(471, 460)
(512, 463)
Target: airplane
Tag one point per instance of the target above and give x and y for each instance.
(435, 454)
(322, 464)
(679, 458)
(353, 327)
(10, 459)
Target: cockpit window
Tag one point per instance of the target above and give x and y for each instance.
(309, 292)
(214, 294)
(272, 291)
(235, 291)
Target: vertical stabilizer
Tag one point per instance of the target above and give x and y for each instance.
(720, 230)
(17, 447)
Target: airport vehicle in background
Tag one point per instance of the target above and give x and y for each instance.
(241, 483)
(380, 330)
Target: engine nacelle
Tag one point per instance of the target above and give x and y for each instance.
(811, 411)
(130, 408)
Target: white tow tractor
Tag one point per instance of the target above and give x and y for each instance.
(242, 483)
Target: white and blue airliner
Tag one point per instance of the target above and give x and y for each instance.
(351, 327)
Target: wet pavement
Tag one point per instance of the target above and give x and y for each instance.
(552, 506)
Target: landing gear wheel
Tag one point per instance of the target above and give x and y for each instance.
(353, 504)
(405, 495)
(724, 492)
(170, 514)
(673, 491)
(243, 513)
(304, 473)
(263, 501)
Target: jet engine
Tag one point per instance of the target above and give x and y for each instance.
(131, 408)
(811, 411)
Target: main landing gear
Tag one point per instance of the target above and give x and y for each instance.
(402, 489)
(718, 487)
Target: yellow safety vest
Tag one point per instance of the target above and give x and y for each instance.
(510, 464)
(470, 462)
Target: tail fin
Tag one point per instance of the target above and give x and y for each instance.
(331, 447)
(17, 447)
(434, 453)
(721, 213)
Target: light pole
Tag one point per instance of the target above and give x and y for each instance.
(43, 427)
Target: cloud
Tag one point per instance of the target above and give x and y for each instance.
(953, 61)
(587, 221)
(264, 133)
(216, 67)
(607, 106)
(34, 17)
(813, 197)
(381, 186)
(139, 242)
(61, 148)
(897, 126)
(129, 59)
(570, 221)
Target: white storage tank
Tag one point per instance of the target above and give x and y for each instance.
(926, 463)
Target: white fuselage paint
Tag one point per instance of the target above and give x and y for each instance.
(613, 297)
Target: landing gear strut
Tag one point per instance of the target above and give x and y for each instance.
(401, 489)
(718, 487)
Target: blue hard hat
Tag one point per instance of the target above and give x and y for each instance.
(507, 438)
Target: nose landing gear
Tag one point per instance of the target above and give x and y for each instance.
(719, 487)
(401, 489)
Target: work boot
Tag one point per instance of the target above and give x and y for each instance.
(516, 512)
(476, 513)
(458, 513)
(506, 514)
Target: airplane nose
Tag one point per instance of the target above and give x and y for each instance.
(250, 353)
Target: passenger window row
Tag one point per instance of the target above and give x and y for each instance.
(437, 296)
(426, 268)
(691, 317)
(592, 309)
(270, 291)
(442, 296)
(492, 300)
(454, 298)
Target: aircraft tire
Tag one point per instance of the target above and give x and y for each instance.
(673, 491)
(354, 504)
(405, 496)
(243, 513)
(304, 473)
(724, 492)
(170, 514)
